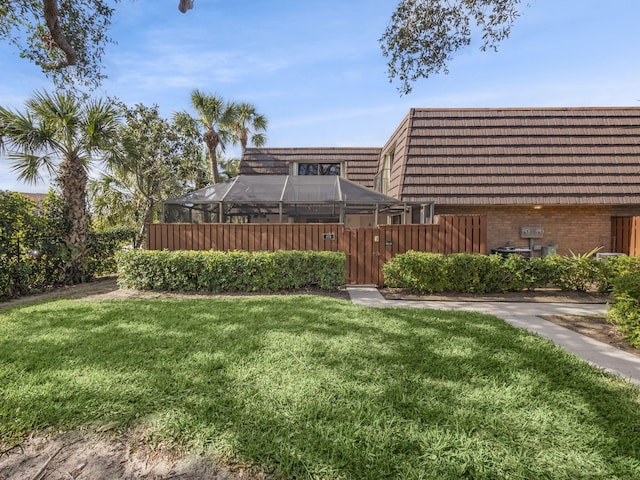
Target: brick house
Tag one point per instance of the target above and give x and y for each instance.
(561, 173)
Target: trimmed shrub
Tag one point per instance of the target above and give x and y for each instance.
(578, 273)
(464, 272)
(217, 272)
(419, 272)
(625, 309)
(474, 273)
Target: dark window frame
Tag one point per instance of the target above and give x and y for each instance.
(320, 168)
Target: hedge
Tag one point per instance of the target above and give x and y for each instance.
(625, 309)
(218, 272)
(464, 272)
(473, 273)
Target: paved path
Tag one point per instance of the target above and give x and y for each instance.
(527, 315)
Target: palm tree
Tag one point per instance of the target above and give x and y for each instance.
(62, 134)
(247, 122)
(215, 115)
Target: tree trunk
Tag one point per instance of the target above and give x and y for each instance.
(244, 139)
(72, 179)
(212, 139)
(146, 219)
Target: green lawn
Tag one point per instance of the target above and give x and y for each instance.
(319, 388)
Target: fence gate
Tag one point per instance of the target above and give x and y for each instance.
(363, 256)
(368, 249)
(625, 233)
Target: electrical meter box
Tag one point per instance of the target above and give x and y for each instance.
(531, 232)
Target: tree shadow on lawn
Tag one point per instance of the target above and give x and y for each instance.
(312, 386)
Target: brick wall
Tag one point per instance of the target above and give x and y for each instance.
(578, 228)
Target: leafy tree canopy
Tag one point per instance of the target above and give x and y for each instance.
(159, 159)
(423, 35)
(65, 38)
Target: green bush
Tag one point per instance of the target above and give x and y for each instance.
(464, 272)
(578, 273)
(468, 273)
(102, 248)
(615, 267)
(625, 309)
(18, 221)
(229, 272)
(33, 255)
(419, 272)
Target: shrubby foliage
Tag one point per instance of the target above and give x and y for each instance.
(33, 254)
(102, 249)
(465, 272)
(212, 271)
(625, 310)
(468, 273)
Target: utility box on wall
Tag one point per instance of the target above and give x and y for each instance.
(531, 232)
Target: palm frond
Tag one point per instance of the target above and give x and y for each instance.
(589, 254)
(259, 139)
(209, 108)
(62, 110)
(101, 123)
(29, 166)
(111, 201)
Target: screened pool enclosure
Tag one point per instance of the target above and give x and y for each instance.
(282, 199)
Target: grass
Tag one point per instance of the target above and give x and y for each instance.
(311, 387)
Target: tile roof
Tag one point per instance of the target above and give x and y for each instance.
(518, 156)
(361, 163)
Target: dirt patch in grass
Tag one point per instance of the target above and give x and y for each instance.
(75, 456)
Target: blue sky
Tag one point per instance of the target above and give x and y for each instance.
(315, 68)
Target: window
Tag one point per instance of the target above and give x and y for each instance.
(381, 180)
(319, 169)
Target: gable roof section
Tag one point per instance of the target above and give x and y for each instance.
(361, 163)
(558, 156)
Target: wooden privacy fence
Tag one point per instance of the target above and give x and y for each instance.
(366, 249)
(625, 234)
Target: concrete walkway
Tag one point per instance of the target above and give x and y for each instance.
(527, 315)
